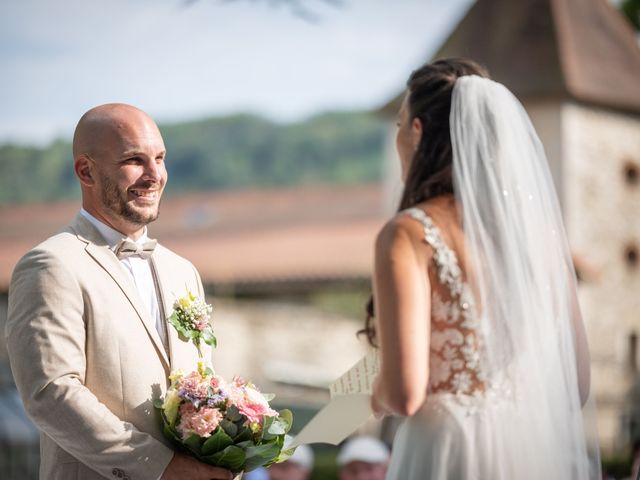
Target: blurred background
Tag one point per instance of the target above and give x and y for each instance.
(279, 120)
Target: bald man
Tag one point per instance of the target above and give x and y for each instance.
(86, 331)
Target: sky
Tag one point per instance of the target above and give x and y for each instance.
(189, 59)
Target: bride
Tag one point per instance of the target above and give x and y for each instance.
(481, 339)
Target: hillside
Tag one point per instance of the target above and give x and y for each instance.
(220, 153)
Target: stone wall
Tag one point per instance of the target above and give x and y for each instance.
(602, 213)
(287, 348)
(546, 116)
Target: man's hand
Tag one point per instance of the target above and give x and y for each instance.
(183, 466)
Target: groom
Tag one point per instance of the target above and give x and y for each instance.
(86, 332)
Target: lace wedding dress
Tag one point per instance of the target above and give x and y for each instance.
(468, 411)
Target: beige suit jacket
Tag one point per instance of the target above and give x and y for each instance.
(87, 359)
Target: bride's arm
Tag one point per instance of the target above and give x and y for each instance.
(402, 306)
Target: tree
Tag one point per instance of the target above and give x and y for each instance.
(631, 10)
(304, 9)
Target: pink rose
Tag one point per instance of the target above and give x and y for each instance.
(216, 382)
(202, 422)
(255, 411)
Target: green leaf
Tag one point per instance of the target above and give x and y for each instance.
(278, 427)
(216, 442)
(231, 458)
(194, 444)
(171, 434)
(260, 455)
(244, 434)
(184, 334)
(266, 425)
(209, 338)
(285, 455)
(233, 414)
(230, 428)
(169, 430)
(245, 444)
(157, 403)
(175, 321)
(287, 416)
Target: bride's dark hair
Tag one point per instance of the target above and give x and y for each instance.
(429, 91)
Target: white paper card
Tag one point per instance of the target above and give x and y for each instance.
(359, 378)
(348, 409)
(336, 421)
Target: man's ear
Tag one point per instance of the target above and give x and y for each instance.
(416, 132)
(83, 166)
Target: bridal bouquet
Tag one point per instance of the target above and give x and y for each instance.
(226, 424)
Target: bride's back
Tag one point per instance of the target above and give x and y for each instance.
(455, 354)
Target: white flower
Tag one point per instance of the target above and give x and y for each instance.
(439, 371)
(449, 353)
(449, 335)
(457, 364)
(254, 396)
(454, 336)
(439, 307)
(461, 381)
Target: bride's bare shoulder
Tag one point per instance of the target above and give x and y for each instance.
(404, 227)
(401, 232)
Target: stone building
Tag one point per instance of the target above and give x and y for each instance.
(575, 64)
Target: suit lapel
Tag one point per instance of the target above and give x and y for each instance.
(167, 297)
(172, 286)
(102, 254)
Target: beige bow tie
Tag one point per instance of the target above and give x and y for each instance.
(127, 248)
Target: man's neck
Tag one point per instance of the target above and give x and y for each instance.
(132, 232)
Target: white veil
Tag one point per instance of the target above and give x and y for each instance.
(521, 271)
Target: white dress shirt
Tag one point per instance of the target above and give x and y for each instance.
(138, 268)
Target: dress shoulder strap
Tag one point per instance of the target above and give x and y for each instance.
(445, 259)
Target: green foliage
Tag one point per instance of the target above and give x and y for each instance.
(349, 302)
(216, 442)
(243, 150)
(617, 466)
(36, 174)
(231, 458)
(209, 338)
(184, 332)
(325, 466)
(631, 10)
(220, 153)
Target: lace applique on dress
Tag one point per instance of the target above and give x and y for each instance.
(455, 353)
